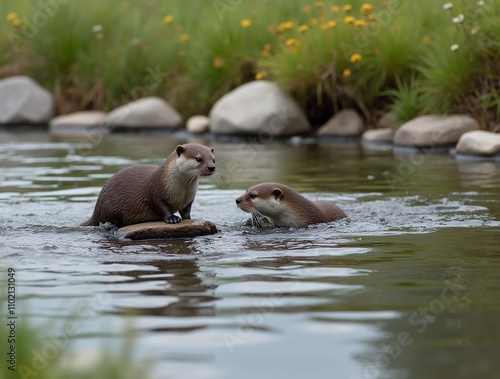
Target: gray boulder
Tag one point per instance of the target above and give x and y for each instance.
(432, 131)
(198, 124)
(161, 230)
(258, 108)
(479, 142)
(22, 100)
(389, 120)
(346, 123)
(78, 119)
(149, 112)
(378, 136)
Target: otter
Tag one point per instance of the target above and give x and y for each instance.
(286, 207)
(144, 193)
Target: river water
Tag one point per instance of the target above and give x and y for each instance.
(408, 287)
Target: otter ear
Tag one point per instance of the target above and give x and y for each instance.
(179, 150)
(278, 194)
(211, 149)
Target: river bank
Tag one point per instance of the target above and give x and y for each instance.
(328, 56)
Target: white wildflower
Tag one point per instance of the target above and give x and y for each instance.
(474, 30)
(459, 19)
(97, 29)
(480, 3)
(447, 6)
(454, 47)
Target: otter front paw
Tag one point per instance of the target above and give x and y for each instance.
(172, 219)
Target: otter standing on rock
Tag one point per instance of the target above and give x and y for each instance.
(144, 193)
(286, 207)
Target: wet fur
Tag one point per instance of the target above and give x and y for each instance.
(286, 207)
(143, 193)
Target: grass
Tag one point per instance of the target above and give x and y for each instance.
(40, 356)
(328, 55)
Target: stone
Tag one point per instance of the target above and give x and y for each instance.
(78, 120)
(259, 108)
(434, 131)
(345, 123)
(24, 101)
(378, 136)
(389, 120)
(149, 112)
(479, 142)
(161, 230)
(198, 124)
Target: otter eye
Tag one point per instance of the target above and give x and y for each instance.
(253, 196)
(198, 159)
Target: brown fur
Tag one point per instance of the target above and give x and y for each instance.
(143, 193)
(286, 207)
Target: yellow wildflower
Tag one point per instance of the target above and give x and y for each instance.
(356, 57)
(371, 17)
(346, 73)
(313, 21)
(11, 16)
(324, 26)
(185, 37)
(331, 24)
(285, 26)
(359, 23)
(349, 20)
(426, 40)
(335, 9)
(261, 75)
(366, 7)
(218, 62)
(306, 9)
(15, 22)
(168, 19)
(267, 47)
(246, 23)
(291, 42)
(318, 4)
(264, 53)
(347, 8)
(303, 28)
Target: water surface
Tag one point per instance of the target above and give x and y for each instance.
(406, 288)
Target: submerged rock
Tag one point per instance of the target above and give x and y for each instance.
(434, 131)
(161, 230)
(149, 112)
(24, 101)
(480, 143)
(198, 124)
(346, 123)
(259, 108)
(78, 119)
(378, 136)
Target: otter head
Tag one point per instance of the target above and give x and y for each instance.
(195, 160)
(264, 199)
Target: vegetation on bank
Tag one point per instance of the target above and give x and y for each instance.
(414, 57)
(45, 352)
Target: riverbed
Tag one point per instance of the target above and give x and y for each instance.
(406, 287)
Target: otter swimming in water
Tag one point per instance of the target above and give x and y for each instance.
(286, 207)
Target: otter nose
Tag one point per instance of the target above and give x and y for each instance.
(211, 168)
(238, 200)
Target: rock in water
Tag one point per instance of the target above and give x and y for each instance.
(149, 112)
(258, 108)
(24, 101)
(434, 131)
(162, 230)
